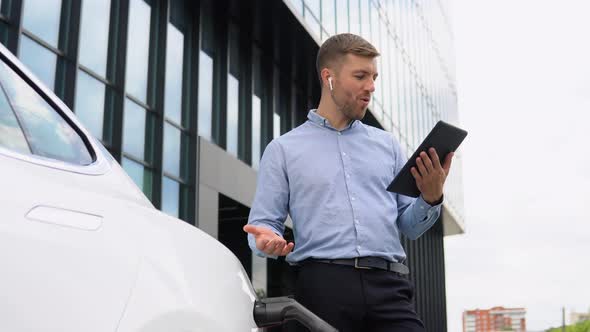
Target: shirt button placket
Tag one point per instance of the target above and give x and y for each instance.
(352, 198)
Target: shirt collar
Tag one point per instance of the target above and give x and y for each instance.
(314, 117)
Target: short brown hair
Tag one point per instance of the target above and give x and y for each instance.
(338, 46)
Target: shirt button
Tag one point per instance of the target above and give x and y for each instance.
(344, 153)
(339, 133)
(357, 221)
(352, 198)
(348, 176)
(358, 247)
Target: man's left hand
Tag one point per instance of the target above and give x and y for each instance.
(430, 175)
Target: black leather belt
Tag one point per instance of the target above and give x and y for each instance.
(366, 263)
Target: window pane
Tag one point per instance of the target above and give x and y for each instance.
(341, 16)
(205, 94)
(174, 61)
(49, 135)
(11, 135)
(375, 21)
(397, 83)
(276, 125)
(140, 175)
(377, 94)
(41, 17)
(328, 16)
(3, 33)
(233, 90)
(171, 150)
(387, 76)
(365, 20)
(234, 50)
(39, 60)
(354, 19)
(170, 196)
(298, 4)
(89, 107)
(94, 35)
(256, 115)
(137, 131)
(208, 29)
(138, 38)
(314, 7)
(313, 24)
(409, 113)
(402, 88)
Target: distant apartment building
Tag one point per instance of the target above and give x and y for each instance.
(576, 317)
(494, 319)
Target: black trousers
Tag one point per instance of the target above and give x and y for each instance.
(357, 299)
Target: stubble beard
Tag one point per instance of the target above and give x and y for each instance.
(348, 108)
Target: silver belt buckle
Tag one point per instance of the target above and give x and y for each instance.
(356, 265)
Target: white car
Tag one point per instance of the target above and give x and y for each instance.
(81, 247)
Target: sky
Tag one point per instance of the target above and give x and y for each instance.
(523, 81)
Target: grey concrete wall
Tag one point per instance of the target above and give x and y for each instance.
(220, 172)
(225, 173)
(208, 210)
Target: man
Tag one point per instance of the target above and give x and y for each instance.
(330, 175)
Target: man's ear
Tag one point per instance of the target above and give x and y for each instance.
(326, 78)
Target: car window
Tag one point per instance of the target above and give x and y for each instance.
(48, 134)
(11, 135)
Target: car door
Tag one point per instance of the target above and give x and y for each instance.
(68, 261)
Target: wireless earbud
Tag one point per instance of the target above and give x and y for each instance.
(330, 82)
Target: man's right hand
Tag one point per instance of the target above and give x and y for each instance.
(268, 241)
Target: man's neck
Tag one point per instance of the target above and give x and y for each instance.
(336, 118)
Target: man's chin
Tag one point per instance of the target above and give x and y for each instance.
(361, 115)
(357, 114)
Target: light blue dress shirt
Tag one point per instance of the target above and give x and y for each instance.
(333, 185)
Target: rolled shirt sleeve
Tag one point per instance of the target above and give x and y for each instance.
(418, 217)
(415, 215)
(271, 201)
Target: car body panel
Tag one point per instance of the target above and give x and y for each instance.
(82, 249)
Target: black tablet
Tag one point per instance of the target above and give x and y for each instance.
(444, 138)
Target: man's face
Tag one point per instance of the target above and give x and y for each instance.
(354, 83)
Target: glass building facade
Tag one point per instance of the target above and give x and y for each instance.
(162, 83)
(417, 85)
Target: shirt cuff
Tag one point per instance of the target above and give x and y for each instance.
(425, 210)
(437, 203)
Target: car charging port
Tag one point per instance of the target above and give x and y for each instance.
(277, 310)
